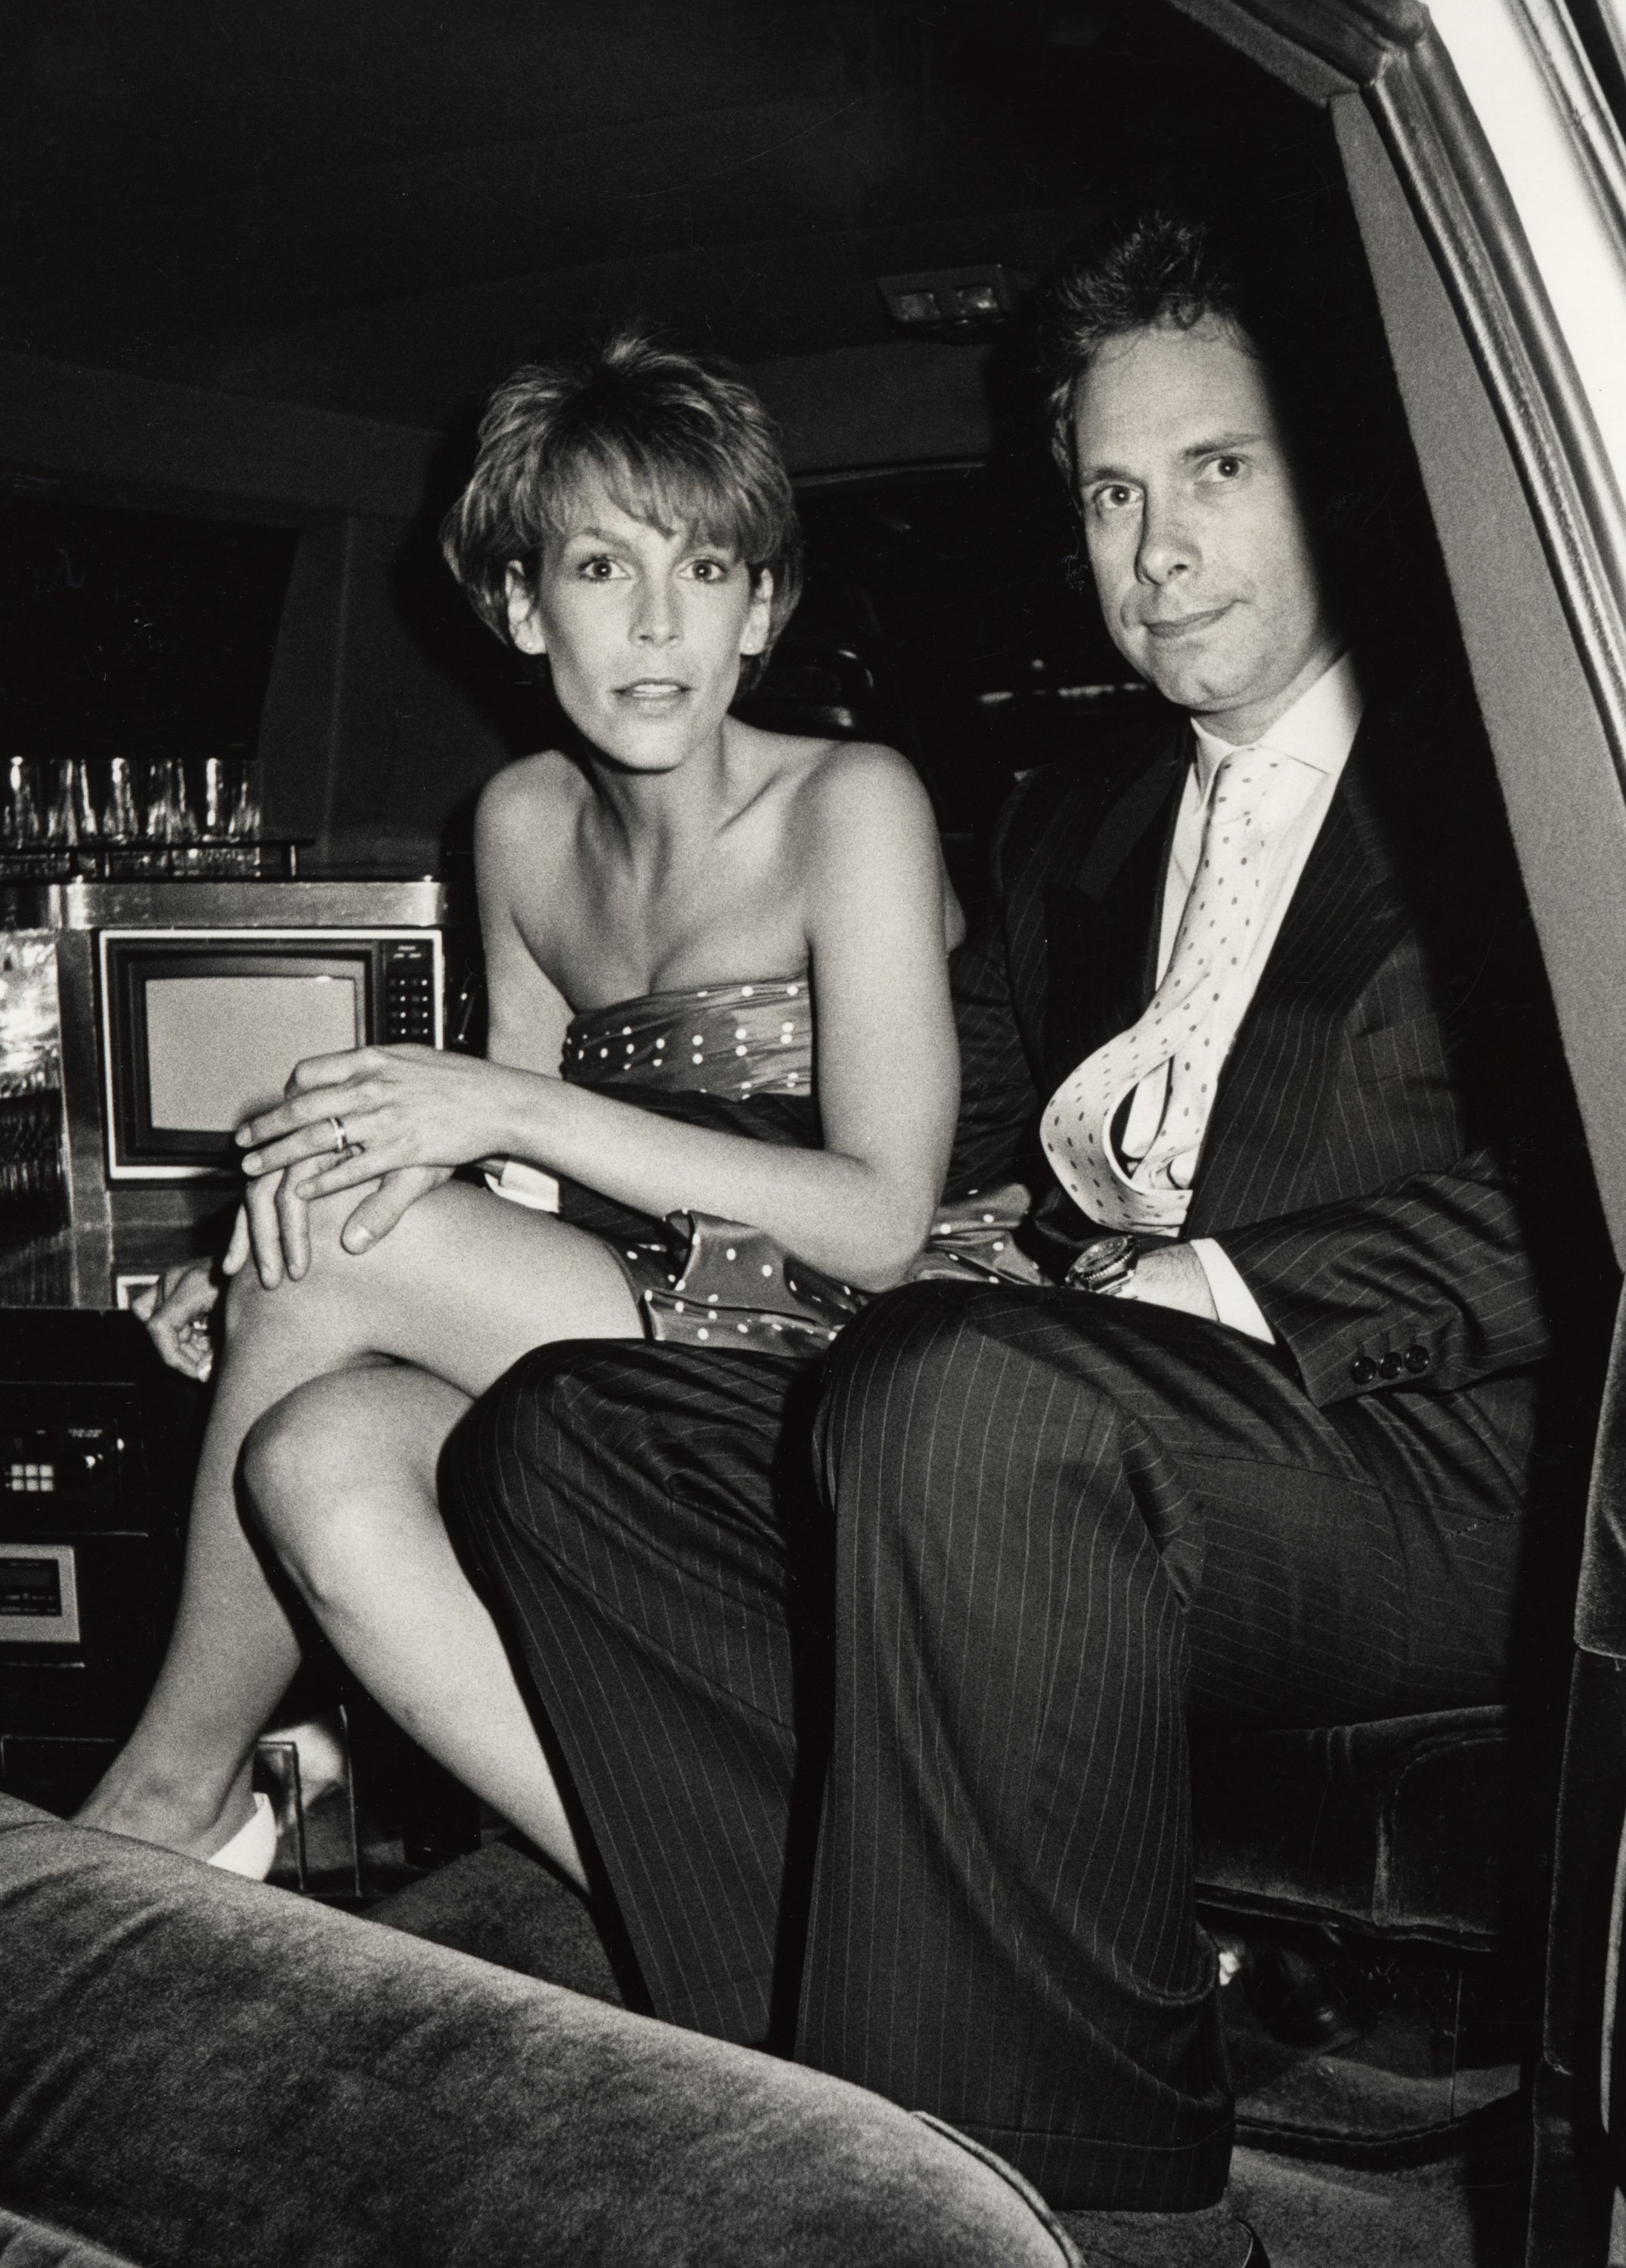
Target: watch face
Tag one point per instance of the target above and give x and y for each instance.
(1105, 1263)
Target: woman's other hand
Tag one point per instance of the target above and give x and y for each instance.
(176, 1314)
(273, 1222)
(350, 1119)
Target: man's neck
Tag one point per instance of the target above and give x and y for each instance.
(1239, 727)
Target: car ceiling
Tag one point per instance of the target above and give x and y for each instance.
(380, 208)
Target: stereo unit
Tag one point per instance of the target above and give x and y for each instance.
(96, 1442)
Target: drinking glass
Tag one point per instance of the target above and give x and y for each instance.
(120, 821)
(61, 817)
(245, 809)
(82, 794)
(21, 816)
(219, 794)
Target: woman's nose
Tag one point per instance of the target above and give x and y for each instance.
(656, 620)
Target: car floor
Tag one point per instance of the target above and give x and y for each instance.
(1453, 2214)
(1465, 2209)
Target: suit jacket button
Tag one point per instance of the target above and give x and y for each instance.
(1391, 1366)
(1417, 1361)
(1363, 1369)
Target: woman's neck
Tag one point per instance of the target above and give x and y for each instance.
(665, 813)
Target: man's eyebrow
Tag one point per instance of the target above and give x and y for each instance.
(1220, 444)
(1216, 447)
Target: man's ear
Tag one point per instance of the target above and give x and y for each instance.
(523, 626)
(760, 621)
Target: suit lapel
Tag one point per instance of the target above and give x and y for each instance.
(1102, 919)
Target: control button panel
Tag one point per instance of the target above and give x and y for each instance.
(410, 982)
(75, 1460)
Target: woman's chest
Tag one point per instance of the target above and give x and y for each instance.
(604, 932)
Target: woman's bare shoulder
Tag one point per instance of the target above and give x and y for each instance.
(847, 784)
(522, 807)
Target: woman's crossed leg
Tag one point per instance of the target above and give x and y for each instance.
(354, 1375)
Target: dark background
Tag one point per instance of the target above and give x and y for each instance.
(261, 268)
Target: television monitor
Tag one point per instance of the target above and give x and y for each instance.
(201, 1029)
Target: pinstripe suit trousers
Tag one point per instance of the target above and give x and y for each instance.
(872, 1686)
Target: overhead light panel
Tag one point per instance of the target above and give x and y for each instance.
(952, 303)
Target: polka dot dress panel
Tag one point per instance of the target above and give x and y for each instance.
(735, 1040)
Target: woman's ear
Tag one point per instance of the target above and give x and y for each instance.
(523, 626)
(759, 620)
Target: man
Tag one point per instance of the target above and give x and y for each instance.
(1257, 1451)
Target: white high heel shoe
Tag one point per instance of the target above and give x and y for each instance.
(252, 1850)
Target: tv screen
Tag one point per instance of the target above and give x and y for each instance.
(199, 1029)
(220, 1048)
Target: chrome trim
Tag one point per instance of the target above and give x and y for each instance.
(1452, 181)
(1574, 85)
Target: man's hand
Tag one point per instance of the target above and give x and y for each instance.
(1172, 1275)
(176, 1314)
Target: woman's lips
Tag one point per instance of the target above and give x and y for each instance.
(652, 692)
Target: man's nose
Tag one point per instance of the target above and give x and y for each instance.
(1167, 548)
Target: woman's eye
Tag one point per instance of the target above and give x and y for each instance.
(599, 568)
(711, 570)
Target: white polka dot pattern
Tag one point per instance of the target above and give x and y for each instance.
(737, 1039)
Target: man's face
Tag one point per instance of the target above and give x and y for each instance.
(1198, 545)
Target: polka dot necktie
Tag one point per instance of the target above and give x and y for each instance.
(1187, 1029)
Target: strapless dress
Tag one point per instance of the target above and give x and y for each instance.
(738, 1058)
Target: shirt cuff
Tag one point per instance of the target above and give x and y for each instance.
(1233, 1303)
(524, 1185)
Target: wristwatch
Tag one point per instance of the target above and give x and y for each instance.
(1106, 1265)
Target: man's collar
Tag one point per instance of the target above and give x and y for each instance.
(1318, 730)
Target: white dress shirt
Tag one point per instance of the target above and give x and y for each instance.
(1317, 732)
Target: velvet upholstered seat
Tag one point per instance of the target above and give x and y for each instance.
(196, 2070)
(1401, 1828)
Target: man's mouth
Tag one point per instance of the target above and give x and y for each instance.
(1167, 628)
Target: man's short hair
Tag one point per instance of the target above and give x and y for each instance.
(679, 441)
(1154, 270)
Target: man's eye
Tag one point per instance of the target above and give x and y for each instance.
(1226, 469)
(1114, 498)
(599, 568)
(709, 570)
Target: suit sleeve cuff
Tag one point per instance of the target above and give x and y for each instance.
(1233, 1303)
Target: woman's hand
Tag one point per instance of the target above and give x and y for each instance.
(273, 1223)
(176, 1314)
(377, 1111)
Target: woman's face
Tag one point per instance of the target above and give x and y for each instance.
(644, 630)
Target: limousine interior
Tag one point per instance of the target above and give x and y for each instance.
(261, 271)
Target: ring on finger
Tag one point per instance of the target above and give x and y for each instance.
(341, 1139)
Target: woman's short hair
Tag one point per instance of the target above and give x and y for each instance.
(679, 441)
(1151, 271)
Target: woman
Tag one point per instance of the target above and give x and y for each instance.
(670, 906)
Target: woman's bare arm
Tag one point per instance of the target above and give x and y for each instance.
(887, 1068)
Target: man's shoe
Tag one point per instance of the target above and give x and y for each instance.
(1309, 1993)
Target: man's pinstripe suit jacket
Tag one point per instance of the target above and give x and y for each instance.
(1395, 1070)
